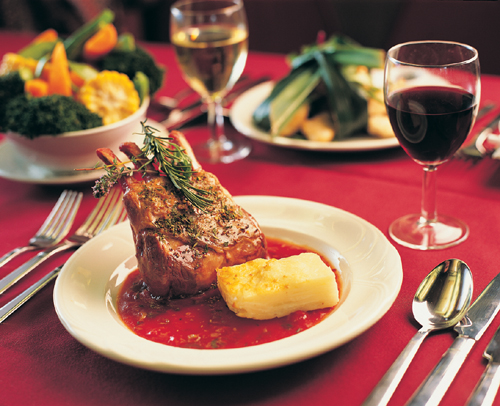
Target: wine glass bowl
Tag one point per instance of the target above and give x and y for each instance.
(210, 38)
(432, 91)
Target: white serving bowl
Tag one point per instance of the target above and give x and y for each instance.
(77, 149)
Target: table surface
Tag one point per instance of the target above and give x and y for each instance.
(42, 364)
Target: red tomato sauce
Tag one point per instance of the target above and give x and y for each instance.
(204, 321)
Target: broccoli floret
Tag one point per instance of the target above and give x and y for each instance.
(11, 85)
(131, 62)
(48, 115)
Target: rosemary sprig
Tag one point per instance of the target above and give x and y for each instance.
(169, 159)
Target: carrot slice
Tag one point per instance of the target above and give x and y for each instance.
(102, 42)
(46, 36)
(76, 79)
(59, 77)
(36, 87)
(46, 71)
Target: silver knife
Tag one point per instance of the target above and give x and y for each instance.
(178, 119)
(470, 329)
(22, 298)
(487, 387)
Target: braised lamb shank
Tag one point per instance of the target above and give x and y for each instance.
(179, 246)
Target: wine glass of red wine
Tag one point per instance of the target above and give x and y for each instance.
(210, 38)
(432, 91)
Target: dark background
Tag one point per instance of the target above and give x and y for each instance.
(285, 25)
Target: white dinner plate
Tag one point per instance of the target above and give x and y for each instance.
(371, 271)
(15, 166)
(241, 116)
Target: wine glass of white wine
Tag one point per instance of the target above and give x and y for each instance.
(211, 44)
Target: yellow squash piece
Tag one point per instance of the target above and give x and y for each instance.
(110, 94)
(12, 62)
(319, 128)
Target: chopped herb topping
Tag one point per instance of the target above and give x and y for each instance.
(177, 223)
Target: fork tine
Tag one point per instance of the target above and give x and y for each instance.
(82, 235)
(112, 218)
(65, 220)
(55, 214)
(123, 216)
(108, 209)
(118, 215)
(97, 213)
(108, 217)
(55, 226)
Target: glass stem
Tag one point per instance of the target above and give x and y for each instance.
(216, 121)
(428, 207)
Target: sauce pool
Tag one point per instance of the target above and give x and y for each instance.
(204, 321)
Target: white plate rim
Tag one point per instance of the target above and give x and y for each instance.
(81, 288)
(242, 110)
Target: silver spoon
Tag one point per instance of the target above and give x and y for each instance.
(441, 301)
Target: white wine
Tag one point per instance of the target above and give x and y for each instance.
(211, 44)
(212, 57)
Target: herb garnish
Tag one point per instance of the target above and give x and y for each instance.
(168, 158)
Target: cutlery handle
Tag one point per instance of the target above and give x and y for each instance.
(27, 267)
(389, 382)
(22, 298)
(437, 382)
(14, 253)
(487, 387)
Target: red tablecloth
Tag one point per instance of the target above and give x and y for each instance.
(41, 364)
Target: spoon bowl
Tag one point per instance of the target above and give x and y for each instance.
(441, 301)
(443, 297)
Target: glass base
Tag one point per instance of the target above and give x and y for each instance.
(413, 231)
(223, 151)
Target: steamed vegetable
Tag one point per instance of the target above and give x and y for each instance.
(50, 66)
(112, 95)
(37, 50)
(11, 86)
(131, 62)
(285, 99)
(101, 43)
(36, 87)
(74, 44)
(53, 114)
(12, 62)
(125, 42)
(320, 76)
(141, 84)
(49, 35)
(59, 77)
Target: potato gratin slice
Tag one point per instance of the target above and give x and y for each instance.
(268, 288)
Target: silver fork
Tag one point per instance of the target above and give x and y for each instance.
(117, 216)
(99, 219)
(55, 226)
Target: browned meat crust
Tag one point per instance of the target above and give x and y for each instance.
(178, 246)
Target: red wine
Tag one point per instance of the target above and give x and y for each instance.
(431, 122)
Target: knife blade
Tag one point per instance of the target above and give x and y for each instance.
(487, 387)
(180, 118)
(470, 329)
